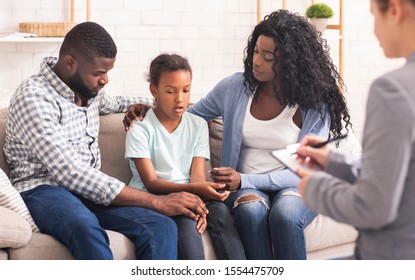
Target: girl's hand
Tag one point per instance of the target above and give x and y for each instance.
(201, 225)
(210, 190)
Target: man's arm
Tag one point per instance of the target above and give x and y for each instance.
(173, 204)
(119, 104)
(36, 123)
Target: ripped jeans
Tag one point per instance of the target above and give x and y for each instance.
(271, 225)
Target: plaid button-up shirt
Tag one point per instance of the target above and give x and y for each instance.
(50, 140)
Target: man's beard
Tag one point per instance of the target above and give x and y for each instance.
(77, 85)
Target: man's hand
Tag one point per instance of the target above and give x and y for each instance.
(226, 175)
(181, 203)
(134, 112)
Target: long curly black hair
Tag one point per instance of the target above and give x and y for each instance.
(303, 67)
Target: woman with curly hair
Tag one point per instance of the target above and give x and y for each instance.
(290, 88)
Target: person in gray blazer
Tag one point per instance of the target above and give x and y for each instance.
(376, 194)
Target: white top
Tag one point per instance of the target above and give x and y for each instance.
(170, 153)
(260, 138)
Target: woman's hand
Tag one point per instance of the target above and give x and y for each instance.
(134, 112)
(226, 175)
(201, 225)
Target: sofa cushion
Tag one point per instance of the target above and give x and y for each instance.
(215, 141)
(324, 232)
(45, 247)
(11, 199)
(3, 120)
(112, 147)
(15, 231)
(3, 255)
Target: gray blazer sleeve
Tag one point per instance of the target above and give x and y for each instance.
(372, 199)
(343, 166)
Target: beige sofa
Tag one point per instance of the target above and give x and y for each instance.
(325, 237)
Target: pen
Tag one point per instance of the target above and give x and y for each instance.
(321, 144)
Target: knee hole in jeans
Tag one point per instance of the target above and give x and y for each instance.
(247, 199)
(292, 193)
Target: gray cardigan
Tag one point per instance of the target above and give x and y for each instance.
(377, 195)
(229, 100)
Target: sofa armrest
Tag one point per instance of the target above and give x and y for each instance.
(15, 231)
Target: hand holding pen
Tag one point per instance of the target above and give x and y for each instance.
(314, 150)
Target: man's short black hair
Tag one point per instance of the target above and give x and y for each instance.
(88, 40)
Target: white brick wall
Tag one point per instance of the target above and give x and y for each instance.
(211, 33)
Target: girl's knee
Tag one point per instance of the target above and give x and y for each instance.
(184, 221)
(217, 209)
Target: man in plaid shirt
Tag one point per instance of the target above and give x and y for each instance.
(52, 149)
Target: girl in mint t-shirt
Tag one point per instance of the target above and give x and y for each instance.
(168, 152)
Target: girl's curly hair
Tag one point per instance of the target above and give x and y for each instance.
(303, 66)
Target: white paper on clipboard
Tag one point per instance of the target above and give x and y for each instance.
(288, 157)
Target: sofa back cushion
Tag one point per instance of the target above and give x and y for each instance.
(15, 232)
(112, 147)
(215, 141)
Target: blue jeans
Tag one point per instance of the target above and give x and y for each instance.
(271, 226)
(79, 224)
(223, 233)
(190, 245)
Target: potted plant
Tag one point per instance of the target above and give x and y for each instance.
(318, 14)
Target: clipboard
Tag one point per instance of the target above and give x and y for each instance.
(288, 157)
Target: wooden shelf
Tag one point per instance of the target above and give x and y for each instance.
(32, 40)
(11, 39)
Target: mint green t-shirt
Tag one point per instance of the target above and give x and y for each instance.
(170, 153)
